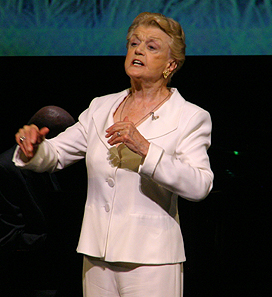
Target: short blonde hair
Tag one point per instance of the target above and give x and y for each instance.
(171, 27)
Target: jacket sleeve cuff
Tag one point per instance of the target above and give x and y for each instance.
(45, 159)
(151, 161)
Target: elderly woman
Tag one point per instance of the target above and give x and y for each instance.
(144, 147)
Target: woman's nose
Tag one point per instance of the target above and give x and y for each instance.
(139, 49)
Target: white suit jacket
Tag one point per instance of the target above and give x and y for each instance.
(131, 215)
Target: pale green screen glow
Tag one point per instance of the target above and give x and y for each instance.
(87, 27)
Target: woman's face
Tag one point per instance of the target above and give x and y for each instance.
(148, 54)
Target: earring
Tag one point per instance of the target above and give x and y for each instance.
(166, 73)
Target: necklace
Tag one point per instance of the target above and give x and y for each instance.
(150, 113)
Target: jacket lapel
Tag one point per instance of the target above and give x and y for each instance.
(103, 116)
(168, 116)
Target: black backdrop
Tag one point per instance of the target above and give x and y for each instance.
(226, 235)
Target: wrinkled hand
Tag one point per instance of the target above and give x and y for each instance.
(126, 132)
(29, 138)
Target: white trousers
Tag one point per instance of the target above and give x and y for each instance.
(104, 279)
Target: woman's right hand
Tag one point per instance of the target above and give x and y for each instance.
(29, 138)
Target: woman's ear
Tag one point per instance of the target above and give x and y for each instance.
(172, 65)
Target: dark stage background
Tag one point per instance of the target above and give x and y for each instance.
(226, 235)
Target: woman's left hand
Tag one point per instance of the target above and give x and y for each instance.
(126, 132)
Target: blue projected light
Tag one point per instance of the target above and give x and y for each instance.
(91, 27)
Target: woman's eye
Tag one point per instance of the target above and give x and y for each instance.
(151, 47)
(133, 42)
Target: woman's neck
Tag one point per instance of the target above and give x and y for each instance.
(148, 93)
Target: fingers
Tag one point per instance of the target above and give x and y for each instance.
(23, 139)
(114, 129)
(118, 132)
(29, 137)
(115, 137)
(43, 132)
(126, 132)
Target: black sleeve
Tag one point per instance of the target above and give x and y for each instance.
(22, 223)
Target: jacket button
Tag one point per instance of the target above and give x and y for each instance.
(111, 182)
(107, 207)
